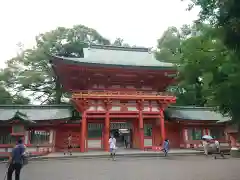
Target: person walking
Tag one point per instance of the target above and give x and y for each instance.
(166, 147)
(205, 146)
(16, 160)
(126, 141)
(69, 145)
(112, 144)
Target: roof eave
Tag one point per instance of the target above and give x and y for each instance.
(72, 62)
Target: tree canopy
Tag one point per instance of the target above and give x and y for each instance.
(173, 47)
(30, 70)
(220, 68)
(7, 98)
(223, 15)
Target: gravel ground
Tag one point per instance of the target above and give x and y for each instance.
(171, 168)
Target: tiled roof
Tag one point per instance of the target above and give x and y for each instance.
(195, 113)
(55, 112)
(123, 56)
(35, 113)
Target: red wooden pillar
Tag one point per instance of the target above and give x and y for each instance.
(162, 125)
(108, 106)
(206, 131)
(153, 135)
(106, 131)
(141, 128)
(86, 138)
(135, 133)
(83, 131)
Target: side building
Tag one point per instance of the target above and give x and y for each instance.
(45, 128)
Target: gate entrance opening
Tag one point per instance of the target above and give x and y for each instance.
(123, 134)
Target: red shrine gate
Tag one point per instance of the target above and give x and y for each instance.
(138, 117)
(117, 84)
(84, 102)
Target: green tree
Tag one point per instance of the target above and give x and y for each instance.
(224, 87)
(170, 49)
(120, 42)
(7, 98)
(31, 70)
(200, 59)
(223, 15)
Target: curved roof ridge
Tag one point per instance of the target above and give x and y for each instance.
(34, 106)
(120, 48)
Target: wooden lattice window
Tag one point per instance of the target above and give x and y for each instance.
(147, 130)
(39, 137)
(194, 134)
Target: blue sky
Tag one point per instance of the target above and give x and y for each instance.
(138, 22)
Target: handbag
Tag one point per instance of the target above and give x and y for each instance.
(25, 158)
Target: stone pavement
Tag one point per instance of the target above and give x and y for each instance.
(171, 168)
(120, 152)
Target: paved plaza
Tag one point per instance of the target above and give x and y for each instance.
(171, 168)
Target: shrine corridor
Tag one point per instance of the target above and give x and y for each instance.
(173, 168)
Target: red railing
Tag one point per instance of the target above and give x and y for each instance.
(126, 94)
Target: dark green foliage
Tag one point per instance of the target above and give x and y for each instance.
(31, 71)
(222, 90)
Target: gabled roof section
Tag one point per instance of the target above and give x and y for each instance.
(23, 118)
(35, 113)
(195, 113)
(120, 56)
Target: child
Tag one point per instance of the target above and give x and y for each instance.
(166, 147)
(218, 150)
(112, 145)
(69, 145)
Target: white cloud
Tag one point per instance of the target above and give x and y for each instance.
(139, 22)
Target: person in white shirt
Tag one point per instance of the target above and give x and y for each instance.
(112, 145)
(217, 145)
(205, 146)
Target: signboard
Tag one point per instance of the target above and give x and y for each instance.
(120, 126)
(18, 130)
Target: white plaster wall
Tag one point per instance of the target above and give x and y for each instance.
(94, 143)
(51, 136)
(132, 108)
(155, 107)
(92, 108)
(100, 108)
(32, 149)
(115, 108)
(26, 137)
(146, 88)
(146, 109)
(147, 142)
